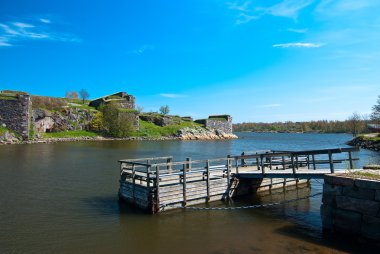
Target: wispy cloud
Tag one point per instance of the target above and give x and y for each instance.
(275, 105)
(16, 31)
(172, 95)
(249, 11)
(298, 31)
(46, 21)
(299, 45)
(142, 49)
(338, 7)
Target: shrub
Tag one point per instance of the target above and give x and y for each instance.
(116, 123)
(48, 103)
(96, 123)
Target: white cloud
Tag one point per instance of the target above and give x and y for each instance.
(286, 8)
(142, 49)
(13, 32)
(275, 105)
(299, 45)
(298, 31)
(46, 21)
(338, 7)
(171, 95)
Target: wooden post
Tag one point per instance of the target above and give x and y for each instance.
(184, 184)
(283, 163)
(331, 162)
(228, 178)
(148, 176)
(262, 164)
(237, 165)
(293, 166)
(270, 162)
(297, 161)
(169, 162)
(314, 164)
(133, 181)
(257, 163)
(350, 158)
(242, 160)
(308, 161)
(208, 180)
(157, 208)
(188, 164)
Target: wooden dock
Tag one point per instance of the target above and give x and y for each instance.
(158, 184)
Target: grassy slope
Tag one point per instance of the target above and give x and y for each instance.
(3, 130)
(70, 134)
(148, 129)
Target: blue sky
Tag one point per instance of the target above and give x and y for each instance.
(289, 60)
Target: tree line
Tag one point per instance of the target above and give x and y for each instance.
(355, 124)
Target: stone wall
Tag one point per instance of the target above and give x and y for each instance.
(15, 114)
(351, 206)
(224, 125)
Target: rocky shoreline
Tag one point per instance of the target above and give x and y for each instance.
(183, 134)
(365, 142)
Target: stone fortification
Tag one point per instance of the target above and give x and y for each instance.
(15, 113)
(218, 122)
(351, 206)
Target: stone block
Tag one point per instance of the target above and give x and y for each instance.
(367, 184)
(343, 181)
(371, 227)
(367, 207)
(347, 221)
(326, 210)
(361, 193)
(329, 199)
(330, 189)
(377, 195)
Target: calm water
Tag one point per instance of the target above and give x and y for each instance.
(62, 198)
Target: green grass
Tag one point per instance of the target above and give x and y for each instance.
(8, 96)
(81, 106)
(374, 139)
(365, 175)
(148, 129)
(3, 130)
(70, 134)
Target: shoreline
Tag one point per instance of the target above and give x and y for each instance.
(365, 143)
(100, 138)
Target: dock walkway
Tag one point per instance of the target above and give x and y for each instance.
(153, 183)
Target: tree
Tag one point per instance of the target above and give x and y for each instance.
(356, 124)
(115, 122)
(68, 95)
(84, 94)
(74, 95)
(164, 110)
(375, 116)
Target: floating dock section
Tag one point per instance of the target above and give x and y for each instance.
(159, 184)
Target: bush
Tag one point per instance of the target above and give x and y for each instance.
(48, 103)
(96, 123)
(116, 123)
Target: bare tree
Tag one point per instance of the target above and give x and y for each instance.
(68, 95)
(164, 110)
(356, 124)
(84, 94)
(375, 116)
(74, 95)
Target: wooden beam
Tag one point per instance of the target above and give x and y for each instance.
(184, 184)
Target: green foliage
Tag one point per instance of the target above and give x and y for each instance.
(148, 129)
(48, 103)
(219, 117)
(3, 130)
(375, 116)
(96, 123)
(164, 110)
(70, 134)
(116, 123)
(322, 126)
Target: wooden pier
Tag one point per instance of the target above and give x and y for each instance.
(160, 183)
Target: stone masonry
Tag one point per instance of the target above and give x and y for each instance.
(351, 206)
(217, 123)
(15, 114)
